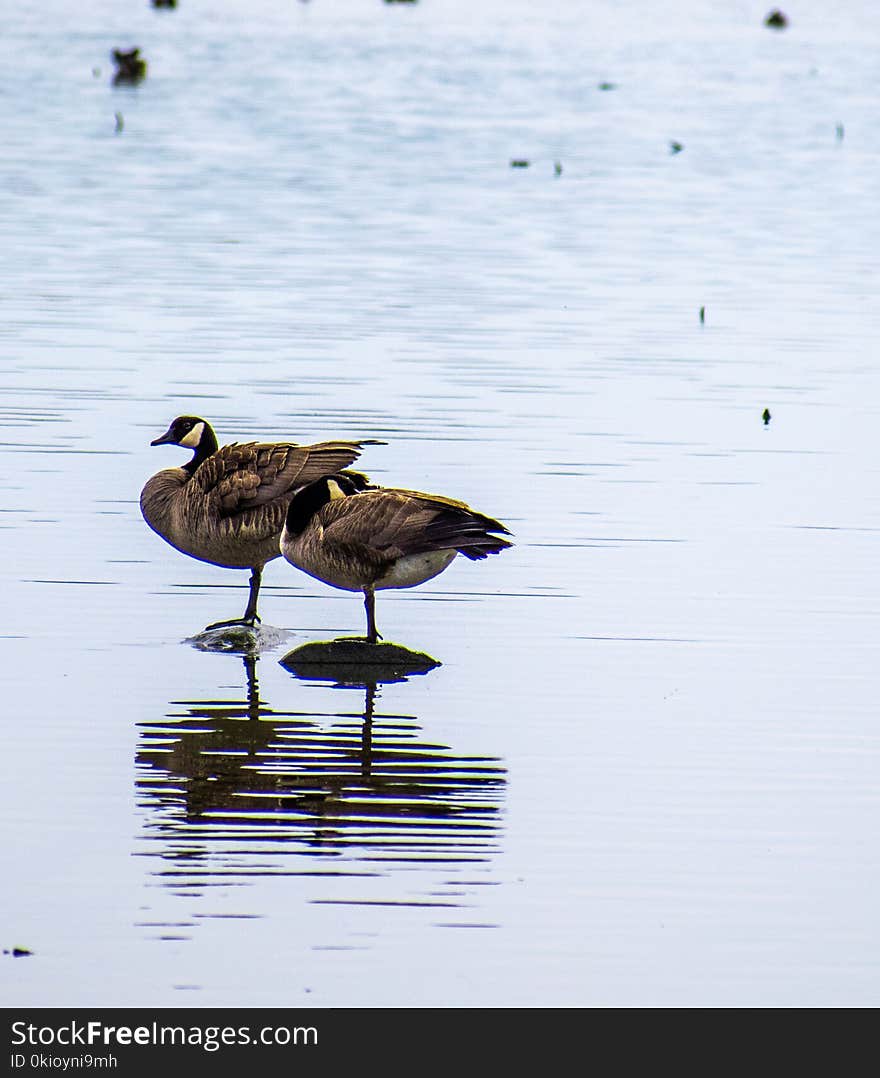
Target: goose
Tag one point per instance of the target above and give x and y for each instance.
(227, 505)
(369, 539)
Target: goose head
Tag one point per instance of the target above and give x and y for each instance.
(309, 499)
(193, 433)
(186, 430)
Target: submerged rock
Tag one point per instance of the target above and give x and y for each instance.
(353, 661)
(240, 639)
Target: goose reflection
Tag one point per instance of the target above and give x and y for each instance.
(233, 787)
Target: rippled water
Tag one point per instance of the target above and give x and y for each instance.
(646, 770)
(241, 779)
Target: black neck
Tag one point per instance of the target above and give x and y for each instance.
(305, 504)
(206, 447)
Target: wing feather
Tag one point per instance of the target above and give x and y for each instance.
(238, 478)
(394, 523)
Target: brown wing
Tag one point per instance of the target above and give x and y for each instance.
(392, 523)
(238, 478)
(438, 503)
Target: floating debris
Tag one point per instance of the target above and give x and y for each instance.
(18, 952)
(702, 315)
(557, 168)
(120, 123)
(165, 3)
(130, 67)
(776, 20)
(519, 162)
(675, 147)
(840, 132)
(607, 85)
(766, 417)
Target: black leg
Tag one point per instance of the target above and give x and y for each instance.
(250, 617)
(370, 606)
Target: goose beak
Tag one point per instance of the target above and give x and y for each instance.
(166, 439)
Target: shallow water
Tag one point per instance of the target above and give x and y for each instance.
(646, 770)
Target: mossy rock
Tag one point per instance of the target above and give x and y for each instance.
(354, 661)
(238, 639)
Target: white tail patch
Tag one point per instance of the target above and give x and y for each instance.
(413, 569)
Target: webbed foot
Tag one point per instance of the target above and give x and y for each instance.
(248, 622)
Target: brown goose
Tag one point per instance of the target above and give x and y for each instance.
(227, 506)
(367, 540)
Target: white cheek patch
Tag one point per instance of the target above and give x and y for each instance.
(191, 441)
(334, 490)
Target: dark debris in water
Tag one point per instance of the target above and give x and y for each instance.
(131, 67)
(519, 162)
(765, 415)
(18, 952)
(776, 20)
